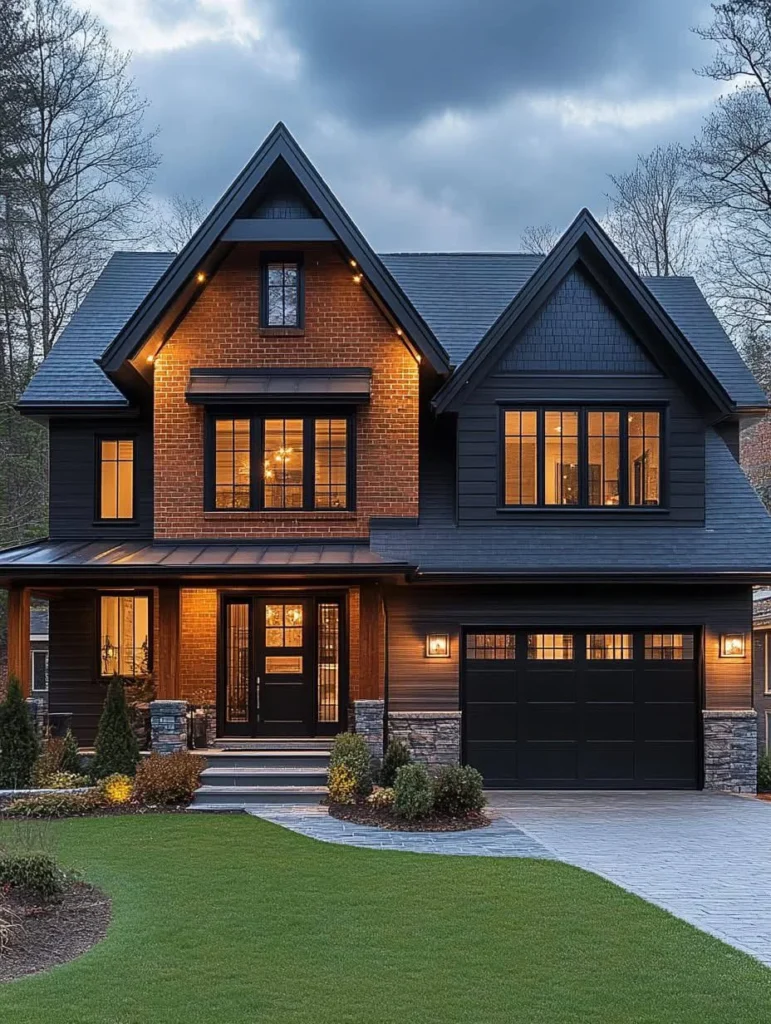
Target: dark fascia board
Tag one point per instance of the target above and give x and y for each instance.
(279, 145)
(695, 577)
(279, 230)
(42, 412)
(586, 242)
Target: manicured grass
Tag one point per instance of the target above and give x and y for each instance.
(224, 920)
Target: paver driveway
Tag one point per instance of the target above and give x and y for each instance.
(705, 857)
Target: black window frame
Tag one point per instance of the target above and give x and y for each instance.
(583, 408)
(308, 415)
(150, 629)
(282, 257)
(99, 519)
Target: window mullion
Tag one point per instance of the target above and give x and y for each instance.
(624, 457)
(541, 455)
(309, 463)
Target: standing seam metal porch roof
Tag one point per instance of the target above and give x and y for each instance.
(459, 295)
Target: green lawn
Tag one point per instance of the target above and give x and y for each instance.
(223, 920)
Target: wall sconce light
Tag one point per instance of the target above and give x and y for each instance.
(732, 645)
(438, 645)
(200, 277)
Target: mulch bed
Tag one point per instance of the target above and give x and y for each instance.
(45, 935)
(383, 817)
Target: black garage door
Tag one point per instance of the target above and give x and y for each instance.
(582, 710)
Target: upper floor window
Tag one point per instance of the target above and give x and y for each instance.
(269, 463)
(282, 293)
(116, 479)
(581, 457)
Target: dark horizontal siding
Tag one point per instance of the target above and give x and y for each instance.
(419, 683)
(73, 479)
(73, 686)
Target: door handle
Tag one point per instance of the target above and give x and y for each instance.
(258, 698)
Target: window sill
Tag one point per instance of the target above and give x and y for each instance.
(115, 522)
(277, 515)
(281, 332)
(602, 510)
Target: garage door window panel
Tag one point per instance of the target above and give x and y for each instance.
(490, 646)
(669, 646)
(609, 646)
(550, 647)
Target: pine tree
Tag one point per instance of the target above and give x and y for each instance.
(70, 760)
(116, 749)
(18, 740)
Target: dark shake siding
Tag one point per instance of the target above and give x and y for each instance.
(73, 479)
(419, 683)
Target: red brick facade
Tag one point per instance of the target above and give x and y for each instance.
(343, 327)
(756, 456)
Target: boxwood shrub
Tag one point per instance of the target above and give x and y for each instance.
(350, 749)
(413, 792)
(458, 790)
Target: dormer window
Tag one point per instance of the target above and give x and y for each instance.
(582, 457)
(282, 292)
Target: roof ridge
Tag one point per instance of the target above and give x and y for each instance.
(463, 252)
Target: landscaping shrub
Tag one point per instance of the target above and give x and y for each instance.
(350, 749)
(381, 797)
(413, 792)
(116, 789)
(168, 778)
(38, 873)
(397, 754)
(70, 754)
(458, 791)
(63, 780)
(18, 740)
(54, 805)
(764, 773)
(341, 784)
(116, 749)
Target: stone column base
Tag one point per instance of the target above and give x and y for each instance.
(731, 751)
(368, 721)
(433, 737)
(168, 726)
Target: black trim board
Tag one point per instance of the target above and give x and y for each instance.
(584, 243)
(278, 146)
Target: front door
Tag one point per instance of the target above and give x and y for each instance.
(281, 665)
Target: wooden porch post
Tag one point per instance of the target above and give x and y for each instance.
(372, 649)
(18, 636)
(168, 642)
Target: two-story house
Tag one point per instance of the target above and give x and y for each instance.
(498, 492)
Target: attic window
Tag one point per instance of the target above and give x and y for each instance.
(282, 292)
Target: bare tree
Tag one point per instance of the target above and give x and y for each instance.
(651, 216)
(732, 165)
(177, 222)
(539, 239)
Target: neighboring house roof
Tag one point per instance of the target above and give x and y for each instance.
(761, 612)
(175, 557)
(460, 295)
(38, 622)
(735, 537)
(70, 374)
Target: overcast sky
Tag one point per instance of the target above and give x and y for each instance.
(439, 124)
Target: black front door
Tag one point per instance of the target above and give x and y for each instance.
(281, 669)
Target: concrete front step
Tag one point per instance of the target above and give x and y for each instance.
(285, 743)
(265, 776)
(240, 797)
(249, 759)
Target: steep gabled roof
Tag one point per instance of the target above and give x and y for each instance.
(585, 243)
(278, 150)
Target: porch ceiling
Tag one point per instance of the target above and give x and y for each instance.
(174, 557)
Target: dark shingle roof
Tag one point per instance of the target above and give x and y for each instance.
(460, 295)
(735, 538)
(70, 373)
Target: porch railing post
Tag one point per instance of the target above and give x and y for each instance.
(168, 642)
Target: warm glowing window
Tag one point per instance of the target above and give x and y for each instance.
(124, 635)
(116, 468)
(609, 646)
(521, 457)
(328, 661)
(283, 463)
(550, 647)
(282, 294)
(561, 486)
(604, 458)
(669, 646)
(490, 646)
(331, 466)
(594, 458)
(283, 633)
(232, 464)
(644, 443)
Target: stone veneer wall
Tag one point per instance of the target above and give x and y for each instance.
(168, 725)
(730, 751)
(369, 721)
(433, 737)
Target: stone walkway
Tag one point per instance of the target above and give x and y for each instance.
(704, 857)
